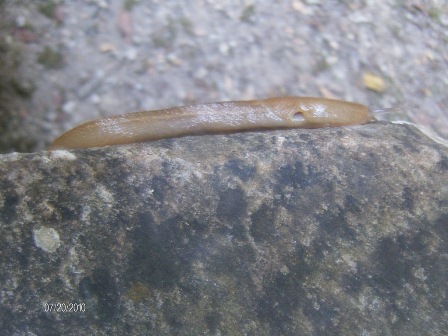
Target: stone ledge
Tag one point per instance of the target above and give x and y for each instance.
(333, 231)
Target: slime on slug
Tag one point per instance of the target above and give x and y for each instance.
(210, 118)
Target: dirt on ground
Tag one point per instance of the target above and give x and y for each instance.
(66, 62)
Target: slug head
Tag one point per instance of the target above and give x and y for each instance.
(309, 112)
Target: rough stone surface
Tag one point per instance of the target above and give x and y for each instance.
(338, 231)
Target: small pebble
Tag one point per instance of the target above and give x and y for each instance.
(373, 82)
(224, 48)
(69, 107)
(107, 47)
(173, 59)
(94, 98)
(20, 21)
(131, 54)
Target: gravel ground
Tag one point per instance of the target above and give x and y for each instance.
(66, 62)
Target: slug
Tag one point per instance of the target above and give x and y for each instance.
(223, 117)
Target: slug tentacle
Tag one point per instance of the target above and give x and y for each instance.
(272, 113)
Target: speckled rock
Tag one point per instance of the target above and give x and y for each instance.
(338, 231)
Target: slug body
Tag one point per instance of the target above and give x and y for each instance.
(224, 117)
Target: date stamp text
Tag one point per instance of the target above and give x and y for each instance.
(59, 307)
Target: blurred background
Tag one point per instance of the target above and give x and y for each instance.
(66, 62)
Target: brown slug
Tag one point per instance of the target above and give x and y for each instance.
(223, 117)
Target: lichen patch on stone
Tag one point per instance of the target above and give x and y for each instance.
(47, 239)
(63, 154)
